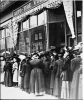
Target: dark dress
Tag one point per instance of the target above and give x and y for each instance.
(53, 67)
(75, 66)
(36, 77)
(8, 74)
(47, 75)
(66, 78)
(22, 69)
(58, 80)
(27, 71)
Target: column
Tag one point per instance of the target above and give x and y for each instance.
(82, 47)
(47, 32)
(65, 33)
(75, 21)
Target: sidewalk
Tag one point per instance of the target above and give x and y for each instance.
(16, 93)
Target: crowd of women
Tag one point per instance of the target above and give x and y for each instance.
(56, 72)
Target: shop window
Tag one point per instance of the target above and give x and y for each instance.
(33, 21)
(7, 32)
(78, 13)
(42, 18)
(2, 33)
(36, 36)
(79, 38)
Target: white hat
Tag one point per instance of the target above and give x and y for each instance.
(77, 47)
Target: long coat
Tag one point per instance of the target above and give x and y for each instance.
(22, 70)
(15, 72)
(75, 66)
(47, 75)
(36, 77)
(57, 80)
(66, 78)
(8, 74)
(27, 71)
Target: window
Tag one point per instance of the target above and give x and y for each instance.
(2, 33)
(42, 18)
(7, 32)
(33, 21)
(26, 25)
(78, 13)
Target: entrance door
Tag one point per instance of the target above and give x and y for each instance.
(56, 34)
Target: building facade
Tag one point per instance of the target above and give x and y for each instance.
(36, 25)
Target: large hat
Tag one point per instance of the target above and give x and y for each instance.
(77, 47)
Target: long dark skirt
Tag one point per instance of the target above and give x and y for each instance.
(37, 81)
(8, 78)
(57, 87)
(22, 83)
(26, 81)
(47, 76)
(74, 85)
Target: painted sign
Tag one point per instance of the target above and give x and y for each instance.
(28, 6)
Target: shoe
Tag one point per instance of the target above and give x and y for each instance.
(42, 93)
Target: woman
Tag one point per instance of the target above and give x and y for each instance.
(66, 75)
(58, 81)
(47, 71)
(27, 71)
(75, 67)
(36, 77)
(8, 73)
(15, 72)
(53, 67)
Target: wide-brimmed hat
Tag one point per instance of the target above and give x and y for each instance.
(77, 47)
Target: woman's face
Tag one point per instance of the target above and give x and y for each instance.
(14, 59)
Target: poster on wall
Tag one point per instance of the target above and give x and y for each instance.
(40, 35)
(36, 36)
(40, 45)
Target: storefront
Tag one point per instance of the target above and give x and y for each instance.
(38, 25)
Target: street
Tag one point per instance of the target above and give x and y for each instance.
(16, 93)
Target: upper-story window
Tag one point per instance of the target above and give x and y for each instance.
(26, 24)
(42, 18)
(2, 34)
(33, 21)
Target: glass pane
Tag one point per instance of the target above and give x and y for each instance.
(78, 13)
(28, 24)
(40, 35)
(0, 34)
(36, 36)
(33, 21)
(3, 33)
(42, 18)
(24, 25)
(2, 44)
(7, 32)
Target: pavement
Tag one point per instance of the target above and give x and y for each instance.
(16, 93)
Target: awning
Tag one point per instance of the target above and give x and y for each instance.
(50, 4)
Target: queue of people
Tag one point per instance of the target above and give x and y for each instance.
(52, 72)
